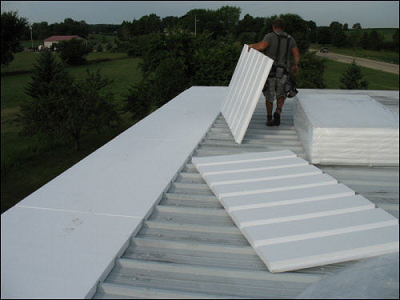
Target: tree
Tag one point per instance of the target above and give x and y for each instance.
(312, 33)
(73, 52)
(351, 78)
(311, 73)
(124, 31)
(48, 77)
(365, 41)
(229, 17)
(345, 26)
(355, 38)
(49, 81)
(99, 48)
(334, 26)
(69, 108)
(396, 39)
(12, 27)
(357, 26)
(339, 39)
(90, 108)
(138, 101)
(376, 40)
(324, 35)
(215, 65)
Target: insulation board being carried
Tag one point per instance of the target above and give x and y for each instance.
(294, 215)
(346, 129)
(245, 88)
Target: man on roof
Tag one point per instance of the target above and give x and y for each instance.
(278, 45)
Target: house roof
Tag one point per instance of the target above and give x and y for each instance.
(182, 243)
(59, 38)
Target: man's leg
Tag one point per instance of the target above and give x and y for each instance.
(269, 98)
(277, 115)
(280, 95)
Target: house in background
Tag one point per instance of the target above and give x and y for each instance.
(55, 39)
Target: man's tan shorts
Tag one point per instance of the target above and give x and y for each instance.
(274, 86)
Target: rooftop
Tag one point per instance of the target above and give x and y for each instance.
(54, 38)
(141, 222)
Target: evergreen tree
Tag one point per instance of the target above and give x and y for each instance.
(60, 109)
(351, 78)
(99, 48)
(48, 77)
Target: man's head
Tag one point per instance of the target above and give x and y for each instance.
(278, 24)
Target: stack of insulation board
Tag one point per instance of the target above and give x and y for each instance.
(292, 214)
(346, 129)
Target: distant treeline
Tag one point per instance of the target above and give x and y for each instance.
(220, 23)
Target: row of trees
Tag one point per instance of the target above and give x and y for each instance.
(339, 35)
(43, 30)
(175, 61)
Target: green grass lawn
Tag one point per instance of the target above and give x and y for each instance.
(378, 80)
(27, 163)
(28, 43)
(385, 56)
(23, 61)
(386, 32)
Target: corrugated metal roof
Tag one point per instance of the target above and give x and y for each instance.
(190, 248)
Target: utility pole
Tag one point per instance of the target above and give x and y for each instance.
(30, 27)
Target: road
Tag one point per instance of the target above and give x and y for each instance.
(373, 64)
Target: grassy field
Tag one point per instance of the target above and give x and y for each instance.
(378, 80)
(27, 163)
(23, 61)
(386, 32)
(385, 56)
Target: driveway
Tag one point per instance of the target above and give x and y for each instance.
(373, 64)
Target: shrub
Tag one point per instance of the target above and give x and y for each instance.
(351, 78)
(73, 52)
(311, 72)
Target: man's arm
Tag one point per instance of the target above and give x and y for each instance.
(261, 46)
(296, 58)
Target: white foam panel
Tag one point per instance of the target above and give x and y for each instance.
(292, 214)
(245, 88)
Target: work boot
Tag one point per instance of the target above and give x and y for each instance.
(269, 121)
(277, 117)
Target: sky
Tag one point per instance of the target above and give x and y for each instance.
(370, 14)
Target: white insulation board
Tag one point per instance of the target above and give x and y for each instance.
(294, 215)
(346, 129)
(245, 88)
